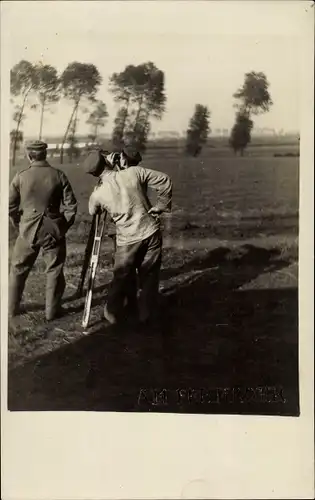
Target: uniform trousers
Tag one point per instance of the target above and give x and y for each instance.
(23, 259)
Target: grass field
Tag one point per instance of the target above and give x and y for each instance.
(228, 298)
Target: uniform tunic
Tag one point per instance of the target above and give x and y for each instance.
(39, 191)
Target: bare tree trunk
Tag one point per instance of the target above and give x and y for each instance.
(138, 114)
(74, 129)
(15, 142)
(67, 131)
(123, 127)
(41, 120)
(119, 129)
(18, 127)
(73, 132)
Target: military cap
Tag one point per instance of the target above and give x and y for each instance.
(132, 154)
(36, 146)
(94, 163)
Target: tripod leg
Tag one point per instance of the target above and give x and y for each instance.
(92, 268)
(87, 257)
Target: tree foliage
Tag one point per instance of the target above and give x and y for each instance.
(78, 81)
(241, 132)
(16, 138)
(253, 98)
(23, 80)
(138, 136)
(119, 127)
(47, 89)
(97, 119)
(199, 128)
(140, 91)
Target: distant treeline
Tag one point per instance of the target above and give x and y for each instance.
(140, 95)
(213, 141)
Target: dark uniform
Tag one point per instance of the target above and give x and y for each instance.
(35, 198)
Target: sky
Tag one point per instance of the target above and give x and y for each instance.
(204, 49)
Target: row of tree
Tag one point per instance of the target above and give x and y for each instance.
(78, 83)
(253, 98)
(139, 92)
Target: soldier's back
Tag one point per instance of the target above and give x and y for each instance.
(40, 187)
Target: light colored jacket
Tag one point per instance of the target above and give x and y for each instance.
(124, 196)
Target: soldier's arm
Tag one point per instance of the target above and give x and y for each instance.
(161, 183)
(68, 200)
(14, 201)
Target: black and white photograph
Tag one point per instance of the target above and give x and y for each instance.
(157, 181)
(154, 214)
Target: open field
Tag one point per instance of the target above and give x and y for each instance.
(229, 298)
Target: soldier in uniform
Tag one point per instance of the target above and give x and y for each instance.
(35, 198)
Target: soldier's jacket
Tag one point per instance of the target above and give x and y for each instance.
(38, 192)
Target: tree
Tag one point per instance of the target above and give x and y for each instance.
(119, 127)
(120, 85)
(79, 81)
(138, 136)
(241, 132)
(198, 130)
(97, 119)
(149, 100)
(47, 89)
(23, 80)
(253, 99)
(254, 95)
(73, 150)
(140, 91)
(16, 139)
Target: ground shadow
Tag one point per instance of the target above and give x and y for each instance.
(240, 265)
(245, 227)
(215, 349)
(247, 261)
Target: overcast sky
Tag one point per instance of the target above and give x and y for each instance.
(204, 49)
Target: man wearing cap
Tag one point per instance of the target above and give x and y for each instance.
(35, 198)
(123, 195)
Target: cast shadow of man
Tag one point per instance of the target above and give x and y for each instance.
(208, 332)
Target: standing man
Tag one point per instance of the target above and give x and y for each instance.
(35, 198)
(95, 164)
(123, 195)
